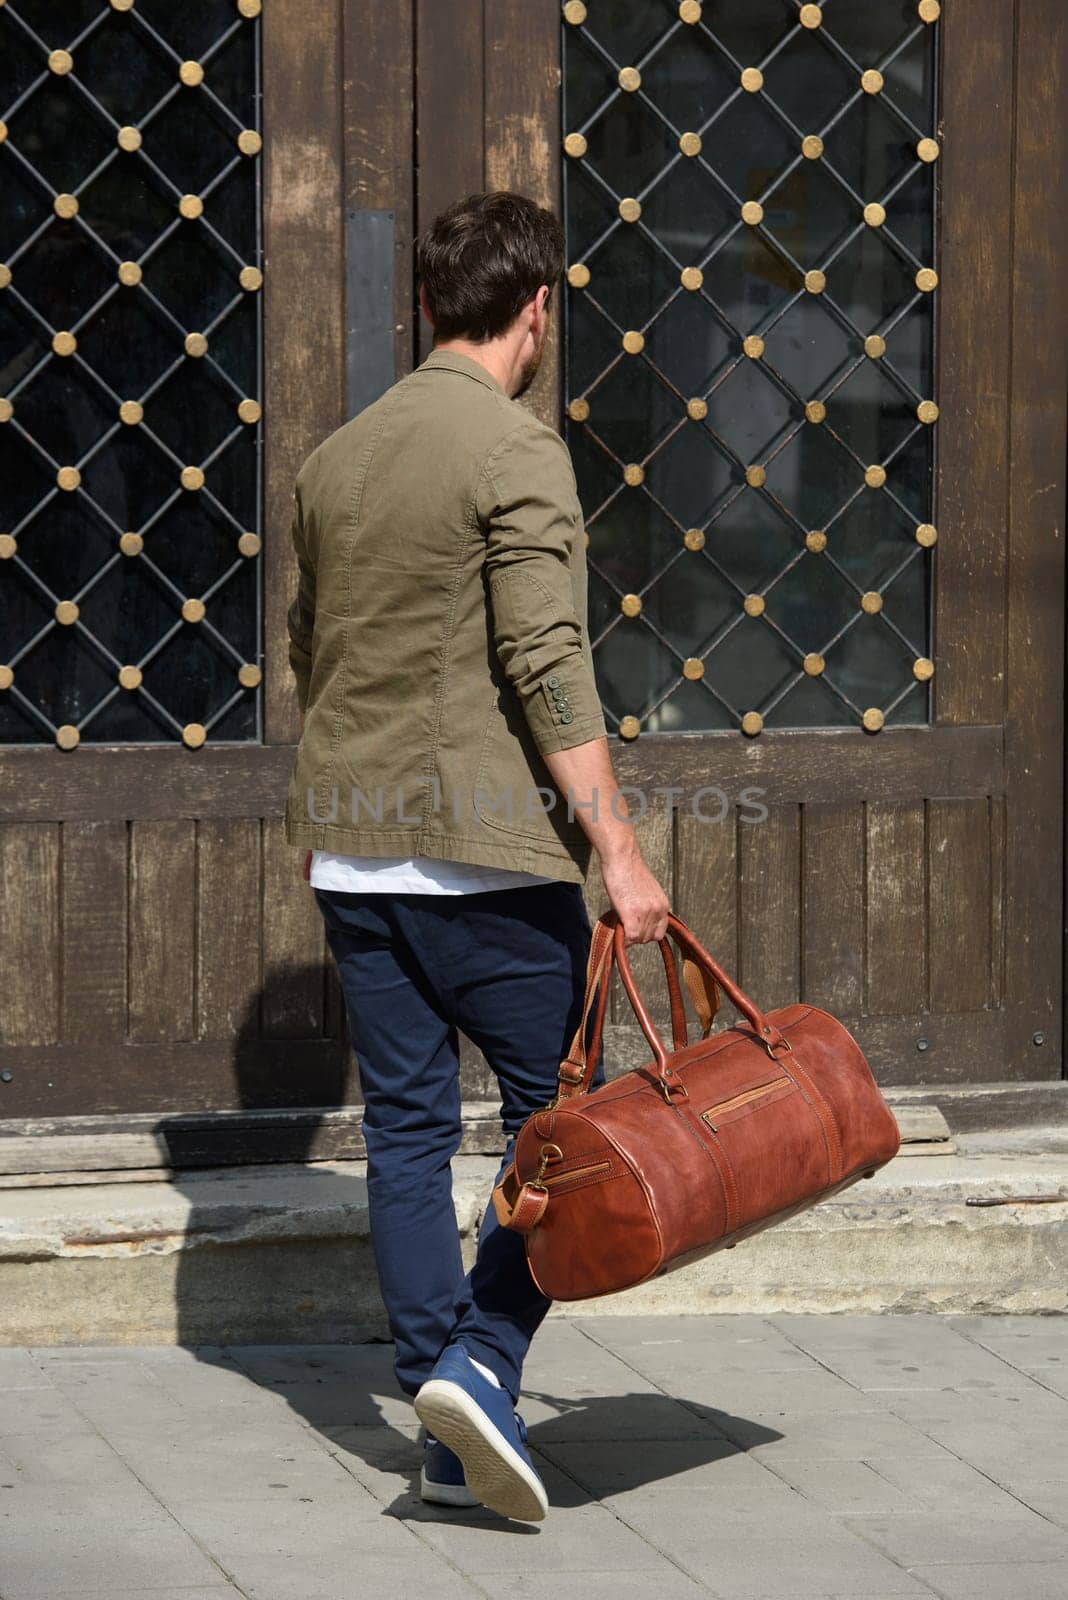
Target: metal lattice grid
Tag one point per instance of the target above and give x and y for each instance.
(750, 205)
(131, 369)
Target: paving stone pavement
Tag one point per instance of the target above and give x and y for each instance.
(748, 1458)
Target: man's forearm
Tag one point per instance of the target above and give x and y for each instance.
(585, 778)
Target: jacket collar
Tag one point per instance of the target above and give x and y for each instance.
(455, 361)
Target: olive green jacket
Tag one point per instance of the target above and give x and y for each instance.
(439, 635)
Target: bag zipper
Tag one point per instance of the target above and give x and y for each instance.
(742, 1099)
(577, 1172)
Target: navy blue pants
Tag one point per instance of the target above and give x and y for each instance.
(507, 968)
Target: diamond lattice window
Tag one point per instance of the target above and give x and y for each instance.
(130, 371)
(750, 211)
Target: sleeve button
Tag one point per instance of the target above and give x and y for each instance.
(567, 716)
(553, 681)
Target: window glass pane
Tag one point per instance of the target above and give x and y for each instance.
(750, 192)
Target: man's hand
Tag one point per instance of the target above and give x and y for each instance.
(636, 896)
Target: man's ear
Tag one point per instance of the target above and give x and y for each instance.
(424, 305)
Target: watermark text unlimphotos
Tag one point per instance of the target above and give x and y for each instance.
(424, 798)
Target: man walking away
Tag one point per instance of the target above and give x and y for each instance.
(451, 782)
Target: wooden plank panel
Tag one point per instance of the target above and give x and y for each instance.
(769, 905)
(162, 900)
(303, 287)
(974, 306)
(958, 890)
(292, 943)
(896, 907)
(93, 936)
(228, 950)
(29, 934)
(706, 883)
(832, 888)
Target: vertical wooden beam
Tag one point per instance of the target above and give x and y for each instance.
(769, 886)
(293, 990)
(304, 304)
(832, 889)
(29, 932)
(94, 932)
(896, 908)
(228, 950)
(162, 929)
(959, 920)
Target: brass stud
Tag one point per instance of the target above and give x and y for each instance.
(5, 275)
(693, 668)
(875, 346)
(67, 736)
(923, 668)
(193, 610)
(753, 605)
(128, 138)
(752, 212)
(633, 342)
(871, 602)
(249, 544)
(815, 540)
(874, 214)
(129, 273)
(574, 12)
(697, 410)
(249, 411)
(694, 539)
(629, 727)
(194, 734)
(875, 477)
(929, 10)
(64, 343)
(815, 411)
(250, 278)
(812, 146)
(630, 605)
(813, 663)
(873, 719)
(7, 410)
(575, 144)
(66, 613)
(633, 474)
(630, 79)
(927, 279)
(191, 206)
(249, 142)
(248, 675)
(690, 144)
(690, 11)
(754, 476)
(195, 344)
(122, 5)
(578, 410)
(629, 209)
(871, 81)
(927, 149)
(191, 73)
(192, 478)
(131, 544)
(3, 131)
(752, 723)
(810, 16)
(130, 677)
(753, 345)
(249, 8)
(815, 282)
(752, 79)
(578, 276)
(8, 545)
(926, 534)
(7, 677)
(691, 277)
(68, 478)
(65, 206)
(927, 411)
(60, 62)
(131, 412)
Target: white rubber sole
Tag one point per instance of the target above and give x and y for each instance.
(496, 1474)
(445, 1494)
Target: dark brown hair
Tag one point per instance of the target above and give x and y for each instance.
(481, 260)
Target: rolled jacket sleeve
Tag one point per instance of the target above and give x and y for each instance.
(535, 568)
(300, 619)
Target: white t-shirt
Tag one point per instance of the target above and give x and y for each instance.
(412, 875)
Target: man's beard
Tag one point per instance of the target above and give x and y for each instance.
(530, 367)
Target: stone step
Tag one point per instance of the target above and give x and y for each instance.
(281, 1254)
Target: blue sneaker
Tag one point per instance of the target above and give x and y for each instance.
(477, 1420)
(441, 1480)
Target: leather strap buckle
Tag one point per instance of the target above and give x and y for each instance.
(565, 1077)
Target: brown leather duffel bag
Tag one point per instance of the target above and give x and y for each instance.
(708, 1143)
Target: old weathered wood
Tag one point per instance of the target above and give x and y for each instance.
(706, 883)
(769, 905)
(958, 897)
(162, 919)
(93, 933)
(29, 937)
(896, 907)
(228, 946)
(106, 784)
(832, 888)
(292, 1001)
(303, 312)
